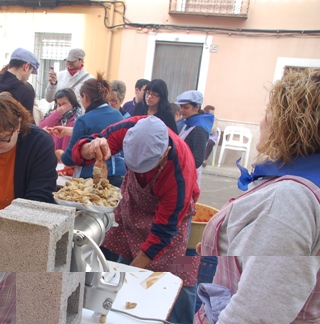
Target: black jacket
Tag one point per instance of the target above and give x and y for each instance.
(22, 92)
(35, 172)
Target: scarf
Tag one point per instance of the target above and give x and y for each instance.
(95, 105)
(74, 71)
(77, 111)
(303, 166)
(65, 118)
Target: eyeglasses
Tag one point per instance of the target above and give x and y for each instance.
(113, 101)
(9, 139)
(152, 94)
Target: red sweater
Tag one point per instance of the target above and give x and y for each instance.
(176, 184)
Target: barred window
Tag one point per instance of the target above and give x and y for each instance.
(51, 50)
(227, 8)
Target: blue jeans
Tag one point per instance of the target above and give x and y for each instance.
(183, 309)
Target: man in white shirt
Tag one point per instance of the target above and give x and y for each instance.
(73, 77)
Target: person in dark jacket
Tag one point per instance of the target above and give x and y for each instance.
(139, 89)
(27, 159)
(98, 115)
(197, 126)
(156, 98)
(14, 80)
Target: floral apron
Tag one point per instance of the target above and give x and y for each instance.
(228, 272)
(135, 215)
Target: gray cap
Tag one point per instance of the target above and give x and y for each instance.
(26, 56)
(145, 143)
(75, 54)
(190, 96)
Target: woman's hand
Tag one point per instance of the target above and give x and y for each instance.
(61, 131)
(198, 248)
(58, 155)
(64, 108)
(97, 149)
(47, 129)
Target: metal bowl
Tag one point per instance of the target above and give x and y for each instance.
(90, 208)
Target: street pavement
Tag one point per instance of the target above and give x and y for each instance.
(218, 185)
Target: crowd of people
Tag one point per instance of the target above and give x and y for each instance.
(154, 151)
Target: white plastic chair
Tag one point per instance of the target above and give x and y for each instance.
(238, 139)
(215, 147)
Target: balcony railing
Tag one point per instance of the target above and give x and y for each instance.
(226, 8)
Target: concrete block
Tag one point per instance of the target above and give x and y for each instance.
(50, 298)
(36, 236)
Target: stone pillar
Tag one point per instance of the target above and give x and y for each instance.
(36, 236)
(51, 298)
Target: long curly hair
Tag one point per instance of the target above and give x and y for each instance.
(294, 111)
(12, 114)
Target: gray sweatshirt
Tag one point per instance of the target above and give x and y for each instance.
(275, 234)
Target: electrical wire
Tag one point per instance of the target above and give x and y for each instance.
(208, 29)
(141, 318)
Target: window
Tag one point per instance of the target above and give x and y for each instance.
(285, 63)
(51, 50)
(227, 8)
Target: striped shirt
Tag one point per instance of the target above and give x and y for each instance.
(7, 297)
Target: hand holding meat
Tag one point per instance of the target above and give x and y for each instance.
(97, 149)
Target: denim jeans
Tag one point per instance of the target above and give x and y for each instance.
(183, 309)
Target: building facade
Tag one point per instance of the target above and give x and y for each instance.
(231, 50)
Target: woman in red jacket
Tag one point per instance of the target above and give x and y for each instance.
(159, 192)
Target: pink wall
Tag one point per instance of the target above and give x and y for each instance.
(244, 66)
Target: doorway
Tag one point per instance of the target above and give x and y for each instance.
(178, 64)
(181, 60)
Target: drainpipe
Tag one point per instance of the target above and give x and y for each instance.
(109, 40)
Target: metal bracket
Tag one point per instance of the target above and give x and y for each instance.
(213, 48)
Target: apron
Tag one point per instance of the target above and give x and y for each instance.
(183, 134)
(135, 215)
(228, 271)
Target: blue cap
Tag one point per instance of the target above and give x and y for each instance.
(190, 96)
(26, 56)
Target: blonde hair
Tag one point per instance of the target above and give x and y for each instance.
(294, 111)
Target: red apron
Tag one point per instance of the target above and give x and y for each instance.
(135, 215)
(228, 271)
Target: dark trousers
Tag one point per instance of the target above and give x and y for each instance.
(209, 147)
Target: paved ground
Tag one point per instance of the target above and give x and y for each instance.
(218, 185)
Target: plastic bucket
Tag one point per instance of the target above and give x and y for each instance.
(198, 223)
